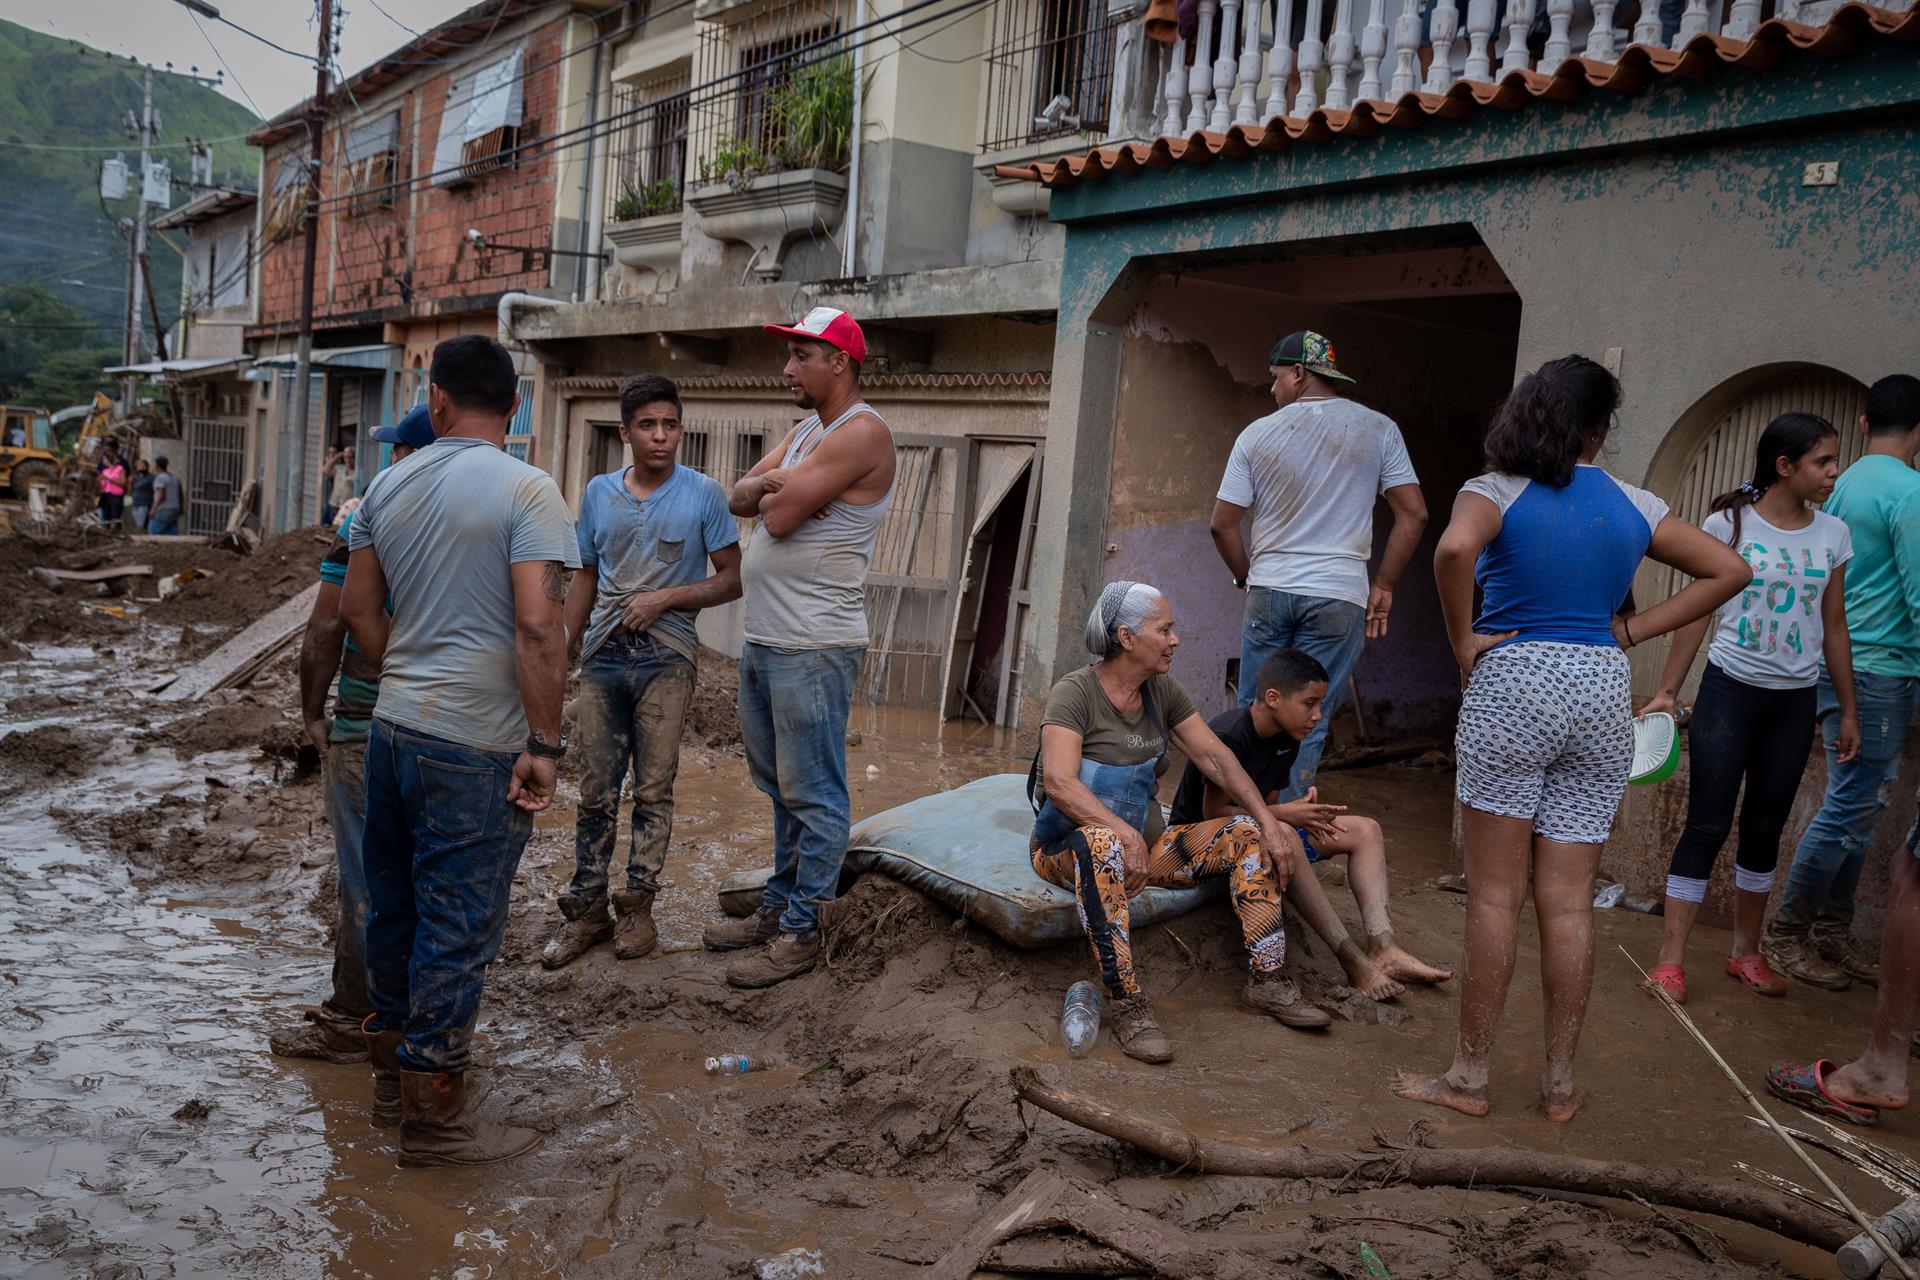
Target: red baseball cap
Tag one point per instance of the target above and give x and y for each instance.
(829, 325)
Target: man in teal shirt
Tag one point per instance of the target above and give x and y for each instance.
(1879, 498)
(332, 1031)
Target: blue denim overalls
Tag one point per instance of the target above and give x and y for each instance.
(1126, 790)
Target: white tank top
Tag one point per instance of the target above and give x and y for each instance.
(807, 590)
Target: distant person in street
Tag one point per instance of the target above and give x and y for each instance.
(339, 473)
(475, 548)
(164, 519)
(1753, 719)
(1099, 831)
(113, 486)
(1545, 740)
(820, 496)
(646, 534)
(142, 494)
(1878, 497)
(334, 1032)
(1264, 739)
(1309, 474)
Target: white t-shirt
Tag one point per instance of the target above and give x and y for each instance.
(1769, 635)
(1310, 474)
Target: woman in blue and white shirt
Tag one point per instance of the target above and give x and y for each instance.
(1545, 740)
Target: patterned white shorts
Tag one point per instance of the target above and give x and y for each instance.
(1546, 733)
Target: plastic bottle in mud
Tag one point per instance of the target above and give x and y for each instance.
(1080, 1018)
(735, 1064)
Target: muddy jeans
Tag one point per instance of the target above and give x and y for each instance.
(1331, 631)
(441, 847)
(633, 700)
(346, 809)
(793, 717)
(1826, 866)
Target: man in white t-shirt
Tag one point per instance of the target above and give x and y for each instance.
(1309, 473)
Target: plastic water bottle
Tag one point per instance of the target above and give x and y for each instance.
(735, 1064)
(1080, 1018)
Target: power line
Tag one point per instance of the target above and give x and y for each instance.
(201, 28)
(304, 57)
(395, 21)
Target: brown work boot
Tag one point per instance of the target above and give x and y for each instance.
(746, 931)
(1792, 953)
(633, 932)
(1834, 943)
(384, 1048)
(1278, 997)
(1139, 1035)
(587, 925)
(315, 1036)
(438, 1130)
(787, 956)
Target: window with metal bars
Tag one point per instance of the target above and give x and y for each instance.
(651, 163)
(694, 443)
(1049, 71)
(747, 448)
(519, 440)
(765, 69)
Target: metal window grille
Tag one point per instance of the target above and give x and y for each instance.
(652, 148)
(520, 431)
(748, 448)
(216, 468)
(752, 58)
(1043, 50)
(694, 451)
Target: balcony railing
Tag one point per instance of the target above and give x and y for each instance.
(1232, 70)
(1049, 71)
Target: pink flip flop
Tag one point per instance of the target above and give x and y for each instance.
(1670, 978)
(1754, 971)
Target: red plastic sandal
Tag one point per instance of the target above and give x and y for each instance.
(1670, 978)
(1753, 971)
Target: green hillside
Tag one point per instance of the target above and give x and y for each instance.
(54, 231)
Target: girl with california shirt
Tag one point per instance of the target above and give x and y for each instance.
(1753, 719)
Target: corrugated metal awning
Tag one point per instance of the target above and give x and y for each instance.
(378, 356)
(181, 370)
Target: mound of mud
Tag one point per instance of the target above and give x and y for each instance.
(713, 717)
(240, 726)
(50, 751)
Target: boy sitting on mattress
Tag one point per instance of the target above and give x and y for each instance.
(1266, 737)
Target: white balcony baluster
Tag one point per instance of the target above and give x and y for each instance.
(1480, 19)
(1446, 21)
(1280, 59)
(1519, 19)
(1406, 49)
(1559, 44)
(1176, 114)
(1692, 23)
(1313, 56)
(1340, 57)
(1373, 48)
(1246, 89)
(1743, 20)
(1225, 67)
(1600, 40)
(1647, 30)
(1787, 11)
(1200, 78)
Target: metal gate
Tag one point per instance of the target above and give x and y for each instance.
(912, 583)
(216, 469)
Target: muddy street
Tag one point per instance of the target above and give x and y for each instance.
(164, 895)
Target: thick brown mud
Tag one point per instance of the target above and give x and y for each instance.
(165, 885)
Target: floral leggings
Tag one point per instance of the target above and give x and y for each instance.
(1088, 861)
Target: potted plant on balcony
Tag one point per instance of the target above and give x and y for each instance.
(762, 198)
(645, 230)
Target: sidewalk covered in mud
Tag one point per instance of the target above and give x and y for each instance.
(164, 893)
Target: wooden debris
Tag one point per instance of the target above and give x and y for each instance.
(242, 656)
(1426, 1167)
(54, 577)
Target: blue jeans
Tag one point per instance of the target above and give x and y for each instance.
(441, 847)
(346, 809)
(633, 700)
(140, 519)
(793, 717)
(1826, 866)
(166, 521)
(1332, 631)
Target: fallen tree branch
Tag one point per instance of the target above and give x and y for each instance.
(1426, 1167)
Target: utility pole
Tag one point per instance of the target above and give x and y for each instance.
(303, 347)
(136, 260)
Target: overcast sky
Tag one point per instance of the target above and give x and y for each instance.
(161, 31)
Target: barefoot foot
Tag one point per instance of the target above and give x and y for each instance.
(1437, 1091)
(1562, 1107)
(1407, 967)
(1372, 982)
(1867, 1089)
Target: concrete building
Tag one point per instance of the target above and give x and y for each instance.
(444, 194)
(1728, 223)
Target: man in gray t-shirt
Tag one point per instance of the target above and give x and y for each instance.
(473, 549)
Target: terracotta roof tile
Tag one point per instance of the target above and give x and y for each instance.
(1636, 66)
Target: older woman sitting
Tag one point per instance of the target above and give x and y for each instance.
(1100, 832)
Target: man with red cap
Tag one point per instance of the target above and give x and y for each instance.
(820, 497)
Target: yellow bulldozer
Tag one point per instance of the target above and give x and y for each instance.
(31, 456)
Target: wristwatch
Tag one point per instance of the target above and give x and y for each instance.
(1241, 583)
(535, 747)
